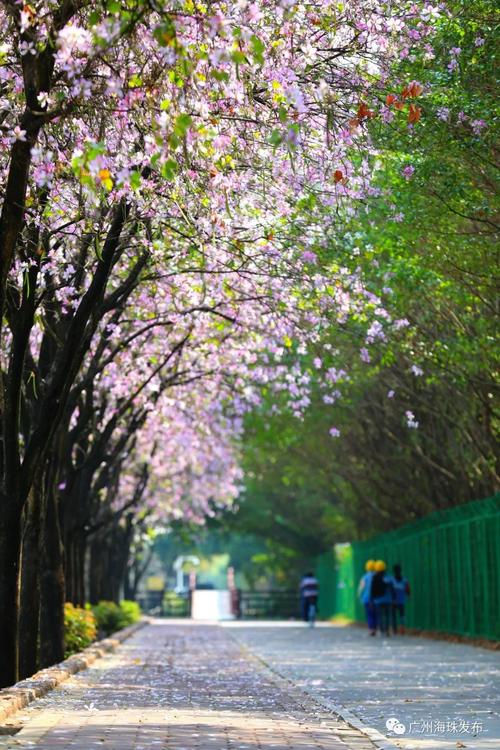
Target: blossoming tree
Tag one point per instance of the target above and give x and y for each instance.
(163, 168)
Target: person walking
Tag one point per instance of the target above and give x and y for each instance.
(309, 588)
(381, 596)
(364, 589)
(401, 590)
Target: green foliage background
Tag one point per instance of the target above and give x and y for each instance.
(427, 247)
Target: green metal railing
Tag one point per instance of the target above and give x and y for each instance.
(451, 559)
(270, 605)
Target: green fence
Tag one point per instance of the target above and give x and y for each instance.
(452, 561)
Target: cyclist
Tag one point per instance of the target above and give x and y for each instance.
(309, 596)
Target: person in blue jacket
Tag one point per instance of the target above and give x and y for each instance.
(401, 591)
(381, 595)
(309, 588)
(364, 596)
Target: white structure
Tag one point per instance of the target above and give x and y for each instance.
(210, 604)
(179, 570)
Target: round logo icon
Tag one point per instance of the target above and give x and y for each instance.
(394, 725)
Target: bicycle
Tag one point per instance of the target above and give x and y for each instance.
(311, 614)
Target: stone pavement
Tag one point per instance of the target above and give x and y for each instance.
(447, 695)
(179, 686)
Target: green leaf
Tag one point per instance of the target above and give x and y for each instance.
(135, 81)
(181, 124)
(94, 18)
(238, 57)
(258, 49)
(169, 169)
(283, 115)
(113, 6)
(164, 33)
(276, 138)
(135, 180)
(220, 75)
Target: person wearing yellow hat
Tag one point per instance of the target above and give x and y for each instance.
(364, 596)
(381, 596)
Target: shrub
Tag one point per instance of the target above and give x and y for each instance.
(112, 617)
(131, 612)
(108, 616)
(79, 629)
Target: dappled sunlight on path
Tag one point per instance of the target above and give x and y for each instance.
(179, 686)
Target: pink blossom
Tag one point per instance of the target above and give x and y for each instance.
(410, 420)
(18, 134)
(309, 257)
(429, 52)
(364, 355)
(27, 19)
(253, 12)
(27, 48)
(477, 126)
(387, 114)
(375, 331)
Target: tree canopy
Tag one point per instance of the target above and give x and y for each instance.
(408, 423)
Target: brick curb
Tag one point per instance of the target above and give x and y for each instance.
(18, 696)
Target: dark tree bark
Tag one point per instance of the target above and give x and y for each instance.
(52, 588)
(80, 553)
(10, 557)
(17, 477)
(96, 570)
(30, 582)
(75, 546)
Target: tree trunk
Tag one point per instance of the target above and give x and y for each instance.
(122, 552)
(107, 564)
(10, 554)
(52, 588)
(69, 567)
(106, 587)
(128, 591)
(112, 549)
(79, 572)
(30, 583)
(96, 568)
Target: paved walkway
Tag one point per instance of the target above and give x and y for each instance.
(447, 695)
(179, 687)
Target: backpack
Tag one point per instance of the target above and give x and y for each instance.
(379, 585)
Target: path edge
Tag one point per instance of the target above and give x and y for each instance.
(377, 738)
(21, 694)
